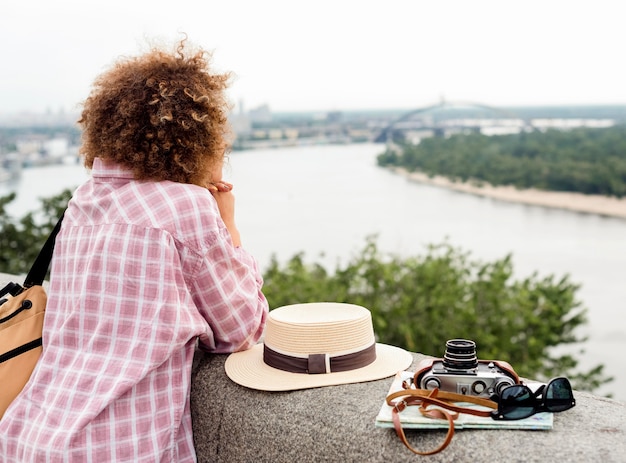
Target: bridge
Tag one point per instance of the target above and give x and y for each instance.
(451, 117)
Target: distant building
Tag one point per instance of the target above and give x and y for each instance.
(261, 114)
(334, 117)
(56, 147)
(241, 124)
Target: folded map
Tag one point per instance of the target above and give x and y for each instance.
(411, 418)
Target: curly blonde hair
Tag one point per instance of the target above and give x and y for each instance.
(162, 115)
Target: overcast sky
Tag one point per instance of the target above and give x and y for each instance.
(328, 54)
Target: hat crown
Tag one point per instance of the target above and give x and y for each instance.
(320, 328)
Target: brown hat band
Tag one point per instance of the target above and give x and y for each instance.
(319, 363)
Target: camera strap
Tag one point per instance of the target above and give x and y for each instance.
(447, 409)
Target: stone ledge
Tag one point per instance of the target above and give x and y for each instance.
(336, 424)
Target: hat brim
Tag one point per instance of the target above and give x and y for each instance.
(248, 369)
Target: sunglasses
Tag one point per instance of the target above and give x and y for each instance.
(519, 401)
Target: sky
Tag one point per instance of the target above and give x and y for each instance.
(327, 55)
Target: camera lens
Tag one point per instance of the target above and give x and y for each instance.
(460, 355)
(502, 384)
(431, 382)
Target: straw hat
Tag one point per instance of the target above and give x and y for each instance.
(316, 344)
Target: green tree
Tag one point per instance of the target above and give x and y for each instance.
(21, 239)
(589, 161)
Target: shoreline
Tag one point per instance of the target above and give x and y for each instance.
(576, 202)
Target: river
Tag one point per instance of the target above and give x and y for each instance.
(326, 200)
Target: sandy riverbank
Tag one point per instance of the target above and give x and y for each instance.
(591, 204)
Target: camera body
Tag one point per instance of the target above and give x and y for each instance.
(461, 372)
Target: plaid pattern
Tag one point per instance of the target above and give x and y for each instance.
(141, 271)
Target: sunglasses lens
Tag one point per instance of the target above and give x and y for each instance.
(558, 395)
(516, 402)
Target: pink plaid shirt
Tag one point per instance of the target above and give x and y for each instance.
(141, 271)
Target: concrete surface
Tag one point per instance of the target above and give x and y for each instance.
(336, 424)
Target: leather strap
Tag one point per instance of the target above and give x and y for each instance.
(445, 400)
(431, 414)
(448, 411)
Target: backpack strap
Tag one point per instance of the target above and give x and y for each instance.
(38, 271)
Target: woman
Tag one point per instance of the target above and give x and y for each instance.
(148, 262)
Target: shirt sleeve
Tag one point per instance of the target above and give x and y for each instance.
(227, 292)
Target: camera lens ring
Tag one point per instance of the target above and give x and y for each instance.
(431, 382)
(478, 387)
(460, 355)
(502, 384)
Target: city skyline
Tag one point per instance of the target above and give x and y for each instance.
(331, 55)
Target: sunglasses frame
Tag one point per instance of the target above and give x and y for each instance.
(539, 400)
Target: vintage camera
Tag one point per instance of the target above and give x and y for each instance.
(460, 371)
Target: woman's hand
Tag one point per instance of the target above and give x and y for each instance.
(222, 192)
(220, 186)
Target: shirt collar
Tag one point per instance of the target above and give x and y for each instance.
(108, 169)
